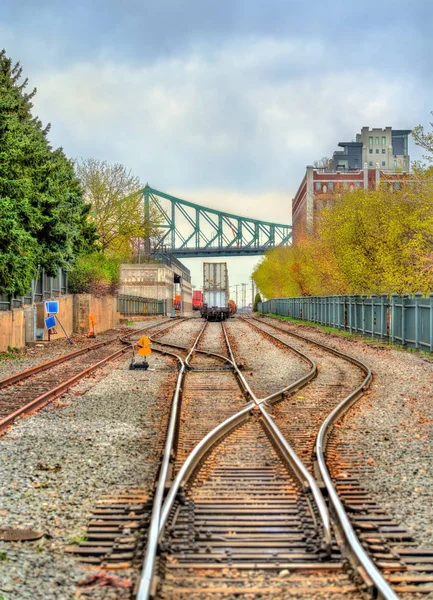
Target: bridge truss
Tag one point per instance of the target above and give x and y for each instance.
(192, 230)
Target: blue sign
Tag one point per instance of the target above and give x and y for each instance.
(50, 322)
(52, 307)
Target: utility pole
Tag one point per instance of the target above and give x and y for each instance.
(237, 302)
(244, 290)
(253, 295)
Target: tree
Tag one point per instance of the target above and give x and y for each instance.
(368, 242)
(323, 163)
(42, 214)
(115, 199)
(424, 139)
(257, 300)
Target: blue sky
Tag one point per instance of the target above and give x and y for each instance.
(224, 102)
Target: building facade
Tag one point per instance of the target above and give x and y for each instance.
(377, 155)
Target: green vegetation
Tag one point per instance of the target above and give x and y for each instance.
(95, 274)
(43, 218)
(367, 242)
(116, 207)
(257, 299)
(11, 353)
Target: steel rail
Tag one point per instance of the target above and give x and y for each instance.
(54, 393)
(153, 532)
(199, 451)
(296, 463)
(353, 548)
(7, 381)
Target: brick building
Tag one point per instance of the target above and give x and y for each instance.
(319, 186)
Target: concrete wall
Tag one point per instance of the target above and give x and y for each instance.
(152, 280)
(18, 326)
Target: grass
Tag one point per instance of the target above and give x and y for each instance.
(351, 336)
(11, 353)
(78, 539)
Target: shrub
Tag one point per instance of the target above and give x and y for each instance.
(95, 274)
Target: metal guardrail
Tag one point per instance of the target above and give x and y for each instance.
(136, 305)
(42, 288)
(400, 319)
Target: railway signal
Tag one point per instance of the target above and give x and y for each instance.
(143, 350)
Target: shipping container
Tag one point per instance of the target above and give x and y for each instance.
(215, 291)
(197, 300)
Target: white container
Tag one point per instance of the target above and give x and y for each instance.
(215, 299)
(215, 277)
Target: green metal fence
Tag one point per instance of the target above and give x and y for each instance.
(136, 305)
(42, 288)
(406, 320)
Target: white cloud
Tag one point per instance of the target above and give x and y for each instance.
(252, 113)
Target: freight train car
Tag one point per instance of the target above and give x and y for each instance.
(197, 300)
(215, 292)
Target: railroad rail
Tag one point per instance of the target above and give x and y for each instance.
(368, 537)
(33, 388)
(264, 515)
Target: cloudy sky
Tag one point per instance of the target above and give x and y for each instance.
(222, 102)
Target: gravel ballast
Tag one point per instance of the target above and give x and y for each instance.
(55, 465)
(391, 427)
(268, 367)
(44, 351)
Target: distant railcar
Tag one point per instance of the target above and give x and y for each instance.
(197, 300)
(215, 292)
(232, 308)
(177, 302)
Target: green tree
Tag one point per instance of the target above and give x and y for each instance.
(257, 300)
(116, 206)
(43, 220)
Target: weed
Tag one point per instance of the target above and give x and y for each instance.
(78, 539)
(3, 556)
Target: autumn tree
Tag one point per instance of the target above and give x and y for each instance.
(116, 206)
(377, 241)
(43, 219)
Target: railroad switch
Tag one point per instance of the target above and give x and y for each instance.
(138, 365)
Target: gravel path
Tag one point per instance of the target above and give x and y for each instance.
(32, 356)
(55, 465)
(392, 428)
(267, 367)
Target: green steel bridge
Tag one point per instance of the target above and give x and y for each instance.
(191, 230)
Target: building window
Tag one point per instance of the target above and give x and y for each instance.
(396, 185)
(358, 184)
(383, 163)
(383, 140)
(318, 186)
(395, 164)
(377, 150)
(370, 164)
(371, 151)
(377, 140)
(404, 164)
(331, 185)
(383, 151)
(370, 140)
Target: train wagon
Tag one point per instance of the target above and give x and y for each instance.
(197, 300)
(215, 292)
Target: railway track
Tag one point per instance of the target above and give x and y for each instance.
(30, 390)
(240, 499)
(235, 513)
(393, 550)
